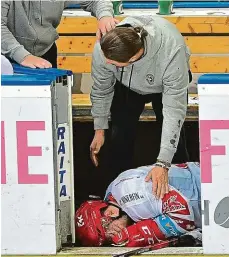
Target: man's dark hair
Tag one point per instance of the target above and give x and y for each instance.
(122, 43)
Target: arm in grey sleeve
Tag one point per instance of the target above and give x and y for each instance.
(102, 90)
(98, 8)
(175, 86)
(10, 47)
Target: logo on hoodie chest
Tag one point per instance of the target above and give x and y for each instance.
(150, 79)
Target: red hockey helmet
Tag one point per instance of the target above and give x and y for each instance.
(91, 223)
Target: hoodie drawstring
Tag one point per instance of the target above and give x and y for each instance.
(121, 75)
(131, 73)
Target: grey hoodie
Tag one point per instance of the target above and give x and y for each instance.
(164, 68)
(29, 27)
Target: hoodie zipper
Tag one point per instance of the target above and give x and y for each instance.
(41, 22)
(41, 12)
(30, 23)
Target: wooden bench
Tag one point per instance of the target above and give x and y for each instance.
(82, 109)
(206, 35)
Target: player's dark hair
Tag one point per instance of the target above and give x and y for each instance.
(122, 43)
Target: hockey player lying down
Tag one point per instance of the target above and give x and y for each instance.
(130, 215)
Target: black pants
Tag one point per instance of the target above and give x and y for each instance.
(126, 109)
(51, 56)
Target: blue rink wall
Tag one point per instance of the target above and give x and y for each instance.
(177, 4)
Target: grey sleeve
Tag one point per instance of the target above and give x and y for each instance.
(10, 47)
(102, 90)
(98, 8)
(175, 86)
